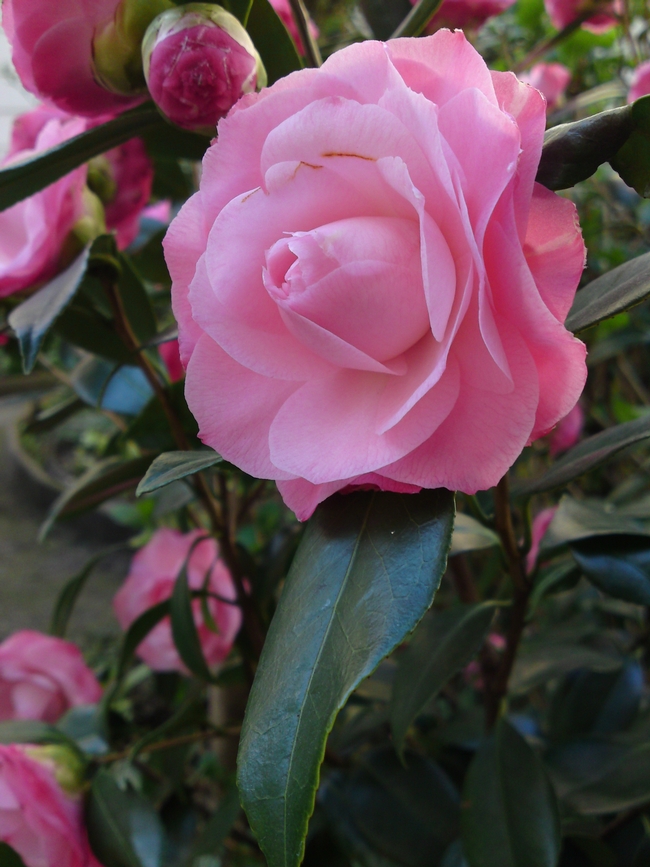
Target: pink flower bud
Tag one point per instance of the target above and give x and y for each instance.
(466, 14)
(640, 82)
(541, 523)
(198, 61)
(551, 79)
(285, 14)
(171, 356)
(567, 431)
(563, 12)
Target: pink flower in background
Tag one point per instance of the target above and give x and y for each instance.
(151, 579)
(161, 212)
(198, 64)
(466, 13)
(551, 79)
(640, 82)
(41, 677)
(42, 823)
(33, 232)
(368, 295)
(541, 523)
(563, 12)
(171, 356)
(567, 432)
(53, 54)
(285, 13)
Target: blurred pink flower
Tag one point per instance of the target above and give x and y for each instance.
(285, 13)
(567, 432)
(640, 82)
(551, 79)
(41, 677)
(466, 14)
(170, 354)
(42, 823)
(151, 579)
(541, 523)
(563, 12)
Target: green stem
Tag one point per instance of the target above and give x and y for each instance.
(301, 17)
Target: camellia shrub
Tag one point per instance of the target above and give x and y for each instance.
(356, 352)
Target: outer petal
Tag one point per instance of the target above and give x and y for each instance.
(303, 497)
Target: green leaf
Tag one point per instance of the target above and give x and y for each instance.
(9, 857)
(123, 829)
(105, 480)
(29, 732)
(588, 454)
(84, 327)
(103, 384)
(470, 535)
(442, 645)
(184, 631)
(23, 179)
(49, 418)
(573, 151)
(171, 466)
(584, 519)
(135, 635)
(617, 565)
(540, 661)
(509, 813)
(418, 18)
(32, 319)
(272, 40)
(150, 429)
(632, 161)
(612, 293)
(365, 572)
(137, 305)
(218, 826)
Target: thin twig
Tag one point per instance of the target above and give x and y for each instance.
(301, 18)
(169, 743)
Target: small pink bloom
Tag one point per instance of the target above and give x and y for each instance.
(551, 79)
(567, 432)
(161, 212)
(368, 295)
(154, 571)
(541, 523)
(41, 677)
(466, 14)
(563, 12)
(42, 823)
(640, 82)
(198, 64)
(285, 13)
(171, 356)
(53, 52)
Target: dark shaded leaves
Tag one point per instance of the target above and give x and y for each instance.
(172, 466)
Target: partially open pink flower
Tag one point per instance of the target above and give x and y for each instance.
(567, 431)
(170, 354)
(42, 823)
(41, 677)
(466, 14)
(541, 523)
(53, 53)
(551, 79)
(285, 13)
(640, 82)
(368, 294)
(151, 579)
(563, 12)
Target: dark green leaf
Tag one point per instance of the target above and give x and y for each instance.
(48, 419)
(617, 565)
(418, 18)
(42, 380)
(555, 579)
(29, 732)
(632, 161)
(123, 389)
(184, 631)
(105, 480)
(540, 661)
(584, 519)
(135, 635)
(510, 816)
(124, 830)
(85, 724)
(150, 260)
(137, 305)
(81, 326)
(183, 717)
(167, 141)
(365, 572)
(443, 643)
(172, 466)
(150, 429)
(384, 18)
(573, 151)
(9, 857)
(23, 179)
(32, 319)
(471, 535)
(617, 290)
(584, 457)
(218, 827)
(272, 40)
(408, 813)
(454, 856)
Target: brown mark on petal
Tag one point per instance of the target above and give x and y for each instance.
(248, 195)
(303, 163)
(356, 156)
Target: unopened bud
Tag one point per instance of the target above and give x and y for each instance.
(117, 55)
(198, 61)
(66, 765)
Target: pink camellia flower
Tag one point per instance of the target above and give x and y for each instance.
(285, 13)
(41, 677)
(541, 523)
(640, 82)
(38, 819)
(368, 294)
(466, 14)
(563, 12)
(33, 232)
(151, 579)
(567, 432)
(52, 50)
(551, 79)
(171, 356)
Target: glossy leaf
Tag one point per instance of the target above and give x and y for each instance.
(172, 466)
(121, 389)
(617, 565)
(418, 18)
(540, 661)
(105, 480)
(470, 535)
(184, 631)
(84, 327)
(32, 319)
(270, 36)
(632, 161)
(617, 290)
(135, 635)
(509, 816)
(9, 857)
(52, 416)
(123, 829)
(365, 572)
(218, 827)
(23, 179)
(150, 429)
(444, 642)
(584, 519)
(137, 305)
(588, 454)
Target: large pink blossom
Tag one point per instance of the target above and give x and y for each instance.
(466, 13)
(640, 85)
(41, 677)
(563, 12)
(38, 819)
(52, 51)
(551, 79)
(151, 579)
(368, 294)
